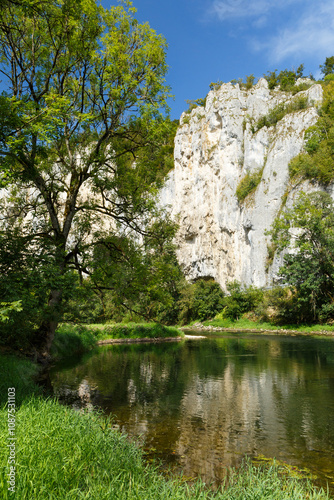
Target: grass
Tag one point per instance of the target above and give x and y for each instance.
(76, 339)
(19, 373)
(138, 331)
(244, 323)
(65, 454)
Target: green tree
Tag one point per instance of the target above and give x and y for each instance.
(81, 125)
(250, 79)
(239, 300)
(286, 78)
(200, 301)
(142, 275)
(328, 67)
(317, 162)
(307, 231)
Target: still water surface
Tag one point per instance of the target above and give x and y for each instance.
(203, 405)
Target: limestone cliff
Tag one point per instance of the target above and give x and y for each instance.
(215, 147)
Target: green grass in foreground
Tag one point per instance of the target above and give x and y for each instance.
(70, 339)
(65, 454)
(244, 323)
(19, 373)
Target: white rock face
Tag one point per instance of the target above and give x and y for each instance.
(214, 149)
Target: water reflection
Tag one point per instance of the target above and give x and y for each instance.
(208, 403)
(83, 396)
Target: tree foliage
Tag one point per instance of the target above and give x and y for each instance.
(328, 67)
(6, 308)
(82, 138)
(239, 301)
(201, 300)
(307, 231)
(317, 161)
(285, 79)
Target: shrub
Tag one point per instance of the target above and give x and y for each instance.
(72, 339)
(285, 79)
(138, 331)
(278, 112)
(200, 301)
(240, 301)
(216, 85)
(248, 184)
(195, 103)
(277, 306)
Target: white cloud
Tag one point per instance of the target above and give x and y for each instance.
(311, 34)
(306, 26)
(229, 9)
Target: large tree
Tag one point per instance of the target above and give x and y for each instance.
(82, 124)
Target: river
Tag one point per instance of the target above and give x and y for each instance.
(202, 405)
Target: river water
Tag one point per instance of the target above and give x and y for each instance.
(202, 405)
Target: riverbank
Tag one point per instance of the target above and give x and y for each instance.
(145, 340)
(63, 453)
(247, 326)
(76, 339)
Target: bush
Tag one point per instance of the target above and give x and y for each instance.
(278, 112)
(77, 339)
(278, 306)
(248, 184)
(216, 85)
(73, 339)
(200, 301)
(285, 79)
(195, 103)
(240, 301)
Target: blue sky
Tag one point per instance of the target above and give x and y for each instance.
(211, 40)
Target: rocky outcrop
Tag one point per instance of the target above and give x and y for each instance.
(215, 147)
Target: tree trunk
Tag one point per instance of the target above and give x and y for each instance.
(46, 331)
